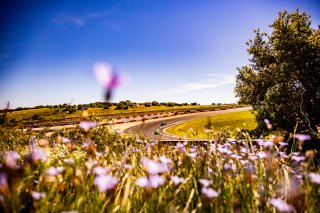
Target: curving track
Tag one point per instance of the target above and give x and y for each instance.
(147, 129)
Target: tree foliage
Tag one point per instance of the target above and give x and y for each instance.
(282, 82)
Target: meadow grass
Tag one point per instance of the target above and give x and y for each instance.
(228, 122)
(90, 169)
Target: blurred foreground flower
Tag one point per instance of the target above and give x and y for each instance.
(281, 205)
(105, 182)
(87, 125)
(153, 181)
(314, 178)
(302, 137)
(176, 180)
(107, 77)
(38, 155)
(209, 193)
(38, 195)
(10, 159)
(154, 167)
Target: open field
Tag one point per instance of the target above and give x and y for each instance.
(50, 117)
(217, 123)
(91, 169)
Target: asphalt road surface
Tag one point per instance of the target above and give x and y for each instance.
(147, 129)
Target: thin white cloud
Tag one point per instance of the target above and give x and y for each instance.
(80, 20)
(212, 81)
(71, 20)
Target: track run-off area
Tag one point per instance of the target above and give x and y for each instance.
(148, 128)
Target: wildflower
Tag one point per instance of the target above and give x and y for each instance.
(283, 144)
(262, 154)
(302, 137)
(156, 180)
(192, 155)
(142, 182)
(69, 161)
(176, 180)
(281, 205)
(267, 122)
(209, 192)
(181, 147)
(153, 181)
(297, 158)
(314, 178)
(38, 195)
(54, 170)
(165, 160)
(118, 131)
(105, 182)
(107, 77)
(154, 167)
(65, 140)
(10, 159)
(205, 183)
(38, 154)
(101, 170)
(87, 125)
(127, 166)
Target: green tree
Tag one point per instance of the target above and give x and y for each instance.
(282, 80)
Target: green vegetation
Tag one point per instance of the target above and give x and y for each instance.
(210, 126)
(282, 81)
(90, 169)
(66, 114)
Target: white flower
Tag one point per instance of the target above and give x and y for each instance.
(209, 193)
(281, 205)
(105, 182)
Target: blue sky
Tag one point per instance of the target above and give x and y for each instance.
(170, 50)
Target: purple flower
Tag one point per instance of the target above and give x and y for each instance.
(101, 170)
(87, 125)
(38, 195)
(314, 178)
(107, 77)
(209, 193)
(105, 182)
(165, 160)
(154, 167)
(268, 124)
(205, 182)
(176, 180)
(302, 137)
(297, 158)
(69, 161)
(156, 180)
(262, 154)
(54, 170)
(10, 159)
(153, 181)
(281, 205)
(193, 155)
(38, 154)
(65, 140)
(142, 182)
(283, 144)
